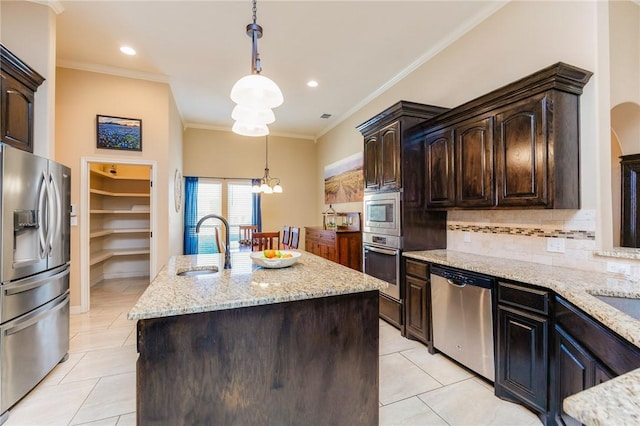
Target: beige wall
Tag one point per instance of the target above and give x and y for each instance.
(213, 153)
(176, 217)
(80, 96)
(520, 38)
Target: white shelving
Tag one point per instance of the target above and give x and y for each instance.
(120, 221)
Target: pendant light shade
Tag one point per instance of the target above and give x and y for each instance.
(253, 115)
(255, 94)
(257, 91)
(249, 129)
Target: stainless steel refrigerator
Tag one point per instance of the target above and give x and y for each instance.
(34, 271)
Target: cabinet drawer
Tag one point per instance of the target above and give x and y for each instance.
(418, 269)
(527, 298)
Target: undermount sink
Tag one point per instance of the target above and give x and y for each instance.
(196, 272)
(627, 305)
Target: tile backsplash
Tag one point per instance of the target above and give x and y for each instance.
(525, 234)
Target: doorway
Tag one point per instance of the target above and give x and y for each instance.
(117, 222)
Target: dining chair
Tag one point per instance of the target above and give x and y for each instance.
(265, 240)
(246, 233)
(295, 238)
(286, 237)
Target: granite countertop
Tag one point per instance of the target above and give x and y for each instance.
(245, 284)
(614, 402)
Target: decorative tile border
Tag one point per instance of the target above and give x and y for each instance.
(526, 232)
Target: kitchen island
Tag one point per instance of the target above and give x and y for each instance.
(249, 345)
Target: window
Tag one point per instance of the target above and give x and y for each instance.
(230, 199)
(209, 202)
(239, 207)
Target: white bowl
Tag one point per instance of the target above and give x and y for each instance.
(258, 258)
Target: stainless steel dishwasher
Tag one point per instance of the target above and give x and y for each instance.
(461, 306)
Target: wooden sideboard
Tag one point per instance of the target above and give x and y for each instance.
(343, 247)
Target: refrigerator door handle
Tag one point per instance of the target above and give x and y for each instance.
(55, 213)
(37, 283)
(42, 193)
(35, 316)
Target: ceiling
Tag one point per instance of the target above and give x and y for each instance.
(354, 49)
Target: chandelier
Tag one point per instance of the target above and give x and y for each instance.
(268, 185)
(254, 94)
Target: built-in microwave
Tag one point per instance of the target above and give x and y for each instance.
(382, 213)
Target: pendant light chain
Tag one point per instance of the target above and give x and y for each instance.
(254, 11)
(254, 94)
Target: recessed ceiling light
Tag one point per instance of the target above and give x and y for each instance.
(312, 83)
(128, 50)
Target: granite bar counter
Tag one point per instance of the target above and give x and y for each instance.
(614, 402)
(249, 345)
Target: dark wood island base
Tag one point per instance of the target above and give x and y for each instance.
(312, 361)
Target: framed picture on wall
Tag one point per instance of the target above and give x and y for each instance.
(119, 133)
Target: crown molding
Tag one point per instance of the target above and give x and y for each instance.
(120, 72)
(467, 26)
(201, 126)
(54, 5)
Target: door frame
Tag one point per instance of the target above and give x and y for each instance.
(85, 162)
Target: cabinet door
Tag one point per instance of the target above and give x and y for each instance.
(413, 170)
(371, 149)
(417, 315)
(474, 163)
(574, 372)
(389, 156)
(16, 117)
(521, 154)
(523, 356)
(440, 176)
(630, 235)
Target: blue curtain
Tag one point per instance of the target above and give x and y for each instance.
(190, 215)
(257, 211)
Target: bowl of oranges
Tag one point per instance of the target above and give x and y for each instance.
(274, 258)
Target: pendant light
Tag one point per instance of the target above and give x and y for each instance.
(255, 94)
(268, 185)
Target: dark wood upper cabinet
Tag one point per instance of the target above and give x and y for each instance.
(521, 154)
(18, 83)
(474, 163)
(515, 147)
(390, 156)
(383, 139)
(440, 183)
(630, 233)
(371, 163)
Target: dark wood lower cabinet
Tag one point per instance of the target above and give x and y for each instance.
(523, 357)
(522, 342)
(308, 362)
(418, 302)
(575, 372)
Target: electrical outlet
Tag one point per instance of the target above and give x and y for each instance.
(619, 268)
(467, 236)
(74, 221)
(555, 245)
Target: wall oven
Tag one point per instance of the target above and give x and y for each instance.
(381, 254)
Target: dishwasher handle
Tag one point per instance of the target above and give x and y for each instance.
(462, 278)
(451, 282)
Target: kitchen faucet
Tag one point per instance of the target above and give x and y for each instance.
(227, 252)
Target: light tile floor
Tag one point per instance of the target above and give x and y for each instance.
(96, 385)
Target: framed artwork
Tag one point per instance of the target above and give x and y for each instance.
(119, 133)
(344, 180)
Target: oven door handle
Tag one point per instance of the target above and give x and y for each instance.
(381, 250)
